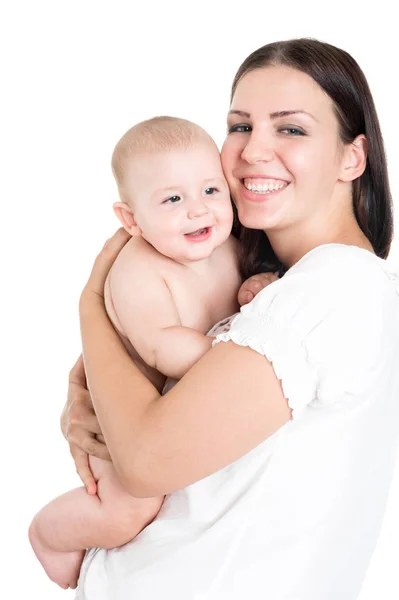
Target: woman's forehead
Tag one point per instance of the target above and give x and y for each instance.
(280, 89)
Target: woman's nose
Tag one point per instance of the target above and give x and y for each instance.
(258, 151)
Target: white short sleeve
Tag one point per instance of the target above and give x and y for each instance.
(326, 326)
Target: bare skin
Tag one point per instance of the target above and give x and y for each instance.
(110, 518)
(79, 424)
(162, 296)
(310, 173)
(162, 308)
(63, 529)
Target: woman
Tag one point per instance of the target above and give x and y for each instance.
(277, 449)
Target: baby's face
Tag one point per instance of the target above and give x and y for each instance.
(181, 201)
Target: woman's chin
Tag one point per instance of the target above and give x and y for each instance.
(256, 219)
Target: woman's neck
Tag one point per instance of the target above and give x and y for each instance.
(292, 244)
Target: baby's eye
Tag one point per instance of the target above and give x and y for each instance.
(172, 200)
(240, 128)
(211, 191)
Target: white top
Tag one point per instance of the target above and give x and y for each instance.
(298, 517)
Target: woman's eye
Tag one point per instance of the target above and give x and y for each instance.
(294, 131)
(172, 200)
(210, 191)
(240, 128)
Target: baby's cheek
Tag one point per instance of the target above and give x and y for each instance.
(225, 212)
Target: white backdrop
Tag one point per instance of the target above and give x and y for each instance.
(74, 76)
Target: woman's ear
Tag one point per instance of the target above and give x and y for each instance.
(355, 159)
(125, 215)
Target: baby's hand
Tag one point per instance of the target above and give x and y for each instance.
(252, 286)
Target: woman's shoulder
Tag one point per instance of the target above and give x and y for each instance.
(329, 256)
(340, 266)
(330, 280)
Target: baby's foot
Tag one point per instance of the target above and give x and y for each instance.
(61, 567)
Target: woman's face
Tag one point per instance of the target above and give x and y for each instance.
(283, 155)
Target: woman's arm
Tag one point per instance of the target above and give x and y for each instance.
(227, 404)
(80, 427)
(79, 423)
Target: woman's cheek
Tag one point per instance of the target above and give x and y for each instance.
(301, 163)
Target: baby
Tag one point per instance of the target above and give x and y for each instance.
(173, 280)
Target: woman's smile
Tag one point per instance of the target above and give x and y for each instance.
(261, 188)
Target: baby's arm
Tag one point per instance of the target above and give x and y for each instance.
(148, 317)
(178, 348)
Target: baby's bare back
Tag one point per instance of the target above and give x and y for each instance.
(149, 296)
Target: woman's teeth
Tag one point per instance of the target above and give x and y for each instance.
(265, 187)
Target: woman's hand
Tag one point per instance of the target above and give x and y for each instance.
(94, 288)
(80, 427)
(252, 286)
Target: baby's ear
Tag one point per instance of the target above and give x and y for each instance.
(125, 215)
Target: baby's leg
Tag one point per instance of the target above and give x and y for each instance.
(62, 530)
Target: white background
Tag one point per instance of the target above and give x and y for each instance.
(74, 76)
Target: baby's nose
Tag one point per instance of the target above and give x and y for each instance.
(198, 209)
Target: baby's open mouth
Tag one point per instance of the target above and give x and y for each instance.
(199, 234)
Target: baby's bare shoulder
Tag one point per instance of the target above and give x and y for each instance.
(137, 266)
(137, 254)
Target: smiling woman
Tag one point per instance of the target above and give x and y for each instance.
(308, 169)
(277, 448)
(302, 99)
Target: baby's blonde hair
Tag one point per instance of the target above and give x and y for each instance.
(159, 134)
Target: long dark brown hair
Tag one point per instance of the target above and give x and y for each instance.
(339, 75)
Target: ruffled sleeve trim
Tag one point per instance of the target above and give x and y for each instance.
(297, 376)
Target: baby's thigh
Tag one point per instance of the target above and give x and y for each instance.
(109, 486)
(111, 492)
(123, 512)
(102, 469)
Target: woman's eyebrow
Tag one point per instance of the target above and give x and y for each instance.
(240, 113)
(287, 113)
(274, 115)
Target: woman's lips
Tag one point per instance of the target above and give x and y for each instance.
(260, 196)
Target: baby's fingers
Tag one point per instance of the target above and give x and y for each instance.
(252, 286)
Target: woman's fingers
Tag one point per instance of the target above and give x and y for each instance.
(80, 451)
(105, 260)
(82, 464)
(78, 413)
(95, 448)
(252, 286)
(114, 244)
(77, 374)
(80, 426)
(82, 419)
